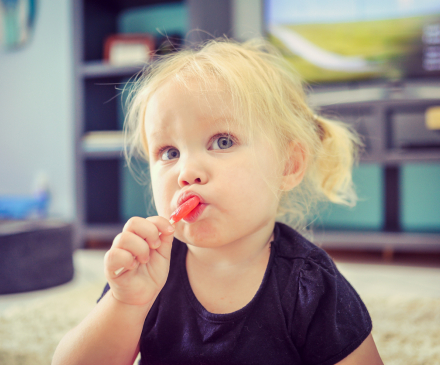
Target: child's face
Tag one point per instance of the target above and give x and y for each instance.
(191, 151)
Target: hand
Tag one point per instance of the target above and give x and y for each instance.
(145, 254)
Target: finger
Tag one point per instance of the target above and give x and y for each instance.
(150, 229)
(116, 258)
(163, 225)
(134, 244)
(167, 236)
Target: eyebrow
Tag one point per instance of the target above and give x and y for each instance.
(219, 124)
(225, 122)
(158, 133)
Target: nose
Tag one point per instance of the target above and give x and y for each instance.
(192, 172)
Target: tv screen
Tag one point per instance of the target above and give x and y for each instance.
(353, 40)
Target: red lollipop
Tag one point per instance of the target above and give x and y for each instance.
(181, 212)
(184, 209)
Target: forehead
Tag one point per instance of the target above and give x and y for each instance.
(207, 103)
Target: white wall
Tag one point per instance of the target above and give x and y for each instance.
(36, 110)
(247, 19)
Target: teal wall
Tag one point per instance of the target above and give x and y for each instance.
(156, 20)
(420, 197)
(136, 197)
(368, 214)
(419, 200)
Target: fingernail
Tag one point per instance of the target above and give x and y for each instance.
(170, 229)
(157, 244)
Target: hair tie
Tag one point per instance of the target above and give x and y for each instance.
(321, 131)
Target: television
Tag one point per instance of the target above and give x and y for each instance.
(355, 40)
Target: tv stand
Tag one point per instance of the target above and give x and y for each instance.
(390, 117)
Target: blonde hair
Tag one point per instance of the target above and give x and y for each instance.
(269, 97)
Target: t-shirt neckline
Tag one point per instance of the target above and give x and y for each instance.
(223, 317)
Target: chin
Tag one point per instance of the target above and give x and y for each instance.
(199, 235)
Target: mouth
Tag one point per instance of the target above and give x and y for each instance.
(197, 211)
(188, 195)
(192, 216)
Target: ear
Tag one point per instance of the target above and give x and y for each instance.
(295, 166)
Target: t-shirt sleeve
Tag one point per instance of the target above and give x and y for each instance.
(106, 289)
(330, 320)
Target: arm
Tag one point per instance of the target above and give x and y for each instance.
(110, 334)
(365, 354)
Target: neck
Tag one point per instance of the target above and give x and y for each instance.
(241, 252)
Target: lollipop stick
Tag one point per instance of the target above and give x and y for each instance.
(117, 272)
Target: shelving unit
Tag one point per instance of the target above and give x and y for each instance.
(369, 108)
(95, 69)
(372, 110)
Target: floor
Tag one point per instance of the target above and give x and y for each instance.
(367, 273)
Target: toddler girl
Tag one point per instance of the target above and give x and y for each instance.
(229, 124)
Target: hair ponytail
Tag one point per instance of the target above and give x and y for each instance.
(332, 168)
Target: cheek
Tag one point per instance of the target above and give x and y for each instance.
(162, 194)
(259, 171)
(247, 182)
(260, 184)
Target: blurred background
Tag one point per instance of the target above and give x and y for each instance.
(66, 191)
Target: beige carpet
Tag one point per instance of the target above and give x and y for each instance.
(30, 333)
(406, 328)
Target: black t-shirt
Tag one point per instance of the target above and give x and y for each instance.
(305, 312)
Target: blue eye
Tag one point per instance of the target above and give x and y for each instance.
(170, 154)
(222, 143)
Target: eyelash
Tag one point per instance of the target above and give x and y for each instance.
(161, 150)
(220, 135)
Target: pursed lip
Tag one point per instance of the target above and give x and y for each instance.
(188, 195)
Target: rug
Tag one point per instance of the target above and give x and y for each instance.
(406, 330)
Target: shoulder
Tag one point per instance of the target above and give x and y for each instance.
(303, 272)
(299, 264)
(311, 270)
(320, 306)
(293, 248)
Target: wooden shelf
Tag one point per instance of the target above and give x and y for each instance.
(404, 241)
(97, 69)
(109, 154)
(411, 156)
(378, 94)
(341, 97)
